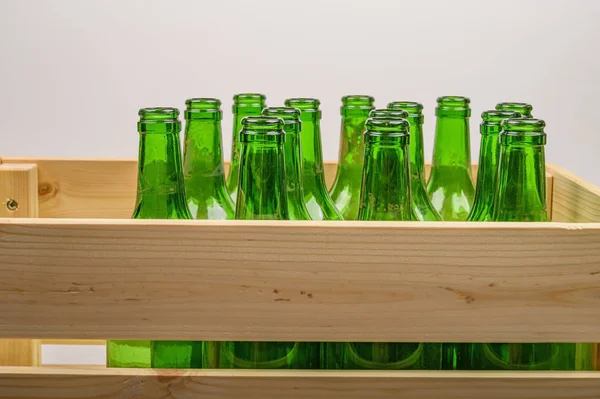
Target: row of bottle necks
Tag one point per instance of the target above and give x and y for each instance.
(277, 168)
(374, 356)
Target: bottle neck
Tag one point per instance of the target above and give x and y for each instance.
(452, 146)
(417, 156)
(161, 190)
(351, 144)
(293, 173)
(203, 157)
(312, 155)
(385, 191)
(487, 178)
(261, 194)
(521, 194)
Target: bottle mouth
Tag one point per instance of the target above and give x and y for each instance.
(453, 106)
(412, 107)
(303, 104)
(389, 113)
(262, 129)
(492, 120)
(248, 103)
(357, 105)
(387, 130)
(288, 114)
(159, 120)
(523, 130)
(523, 108)
(203, 108)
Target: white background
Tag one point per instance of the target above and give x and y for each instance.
(74, 73)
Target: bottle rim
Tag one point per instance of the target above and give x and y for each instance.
(389, 113)
(523, 130)
(203, 108)
(524, 109)
(161, 120)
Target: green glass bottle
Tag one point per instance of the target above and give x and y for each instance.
(422, 207)
(522, 108)
(160, 195)
(521, 197)
(246, 104)
(317, 199)
(293, 160)
(345, 191)
(262, 197)
(203, 168)
(385, 195)
(450, 185)
(487, 174)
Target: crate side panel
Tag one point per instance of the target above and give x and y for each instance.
(574, 199)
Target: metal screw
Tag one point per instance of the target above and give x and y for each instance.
(12, 205)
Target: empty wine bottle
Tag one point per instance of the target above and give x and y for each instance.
(317, 199)
(422, 207)
(293, 160)
(385, 195)
(246, 104)
(203, 161)
(521, 197)
(262, 196)
(160, 195)
(450, 185)
(522, 108)
(487, 174)
(345, 191)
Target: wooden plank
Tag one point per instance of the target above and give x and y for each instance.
(73, 342)
(18, 198)
(53, 383)
(94, 188)
(18, 190)
(305, 281)
(575, 200)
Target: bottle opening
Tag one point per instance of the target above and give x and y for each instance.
(388, 113)
(303, 104)
(203, 108)
(159, 120)
(523, 130)
(453, 106)
(357, 101)
(523, 108)
(249, 98)
(387, 130)
(413, 108)
(288, 114)
(262, 129)
(495, 117)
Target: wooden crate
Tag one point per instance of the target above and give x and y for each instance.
(74, 267)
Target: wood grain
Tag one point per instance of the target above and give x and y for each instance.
(18, 183)
(53, 383)
(250, 280)
(19, 352)
(575, 200)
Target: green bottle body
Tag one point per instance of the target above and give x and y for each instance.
(450, 186)
(487, 173)
(160, 195)
(294, 192)
(385, 195)
(203, 169)
(318, 202)
(521, 197)
(422, 208)
(262, 196)
(345, 191)
(247, 104)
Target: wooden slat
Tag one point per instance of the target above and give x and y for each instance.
(18, 198)
(575, 200)
(54, 383)
(73, 342)
(323, 281)
(94, 188)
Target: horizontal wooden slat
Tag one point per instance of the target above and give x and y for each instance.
(54, 383)
(93, 188)
(321, 281)
(575, 200)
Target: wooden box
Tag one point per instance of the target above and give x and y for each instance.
(73, 266)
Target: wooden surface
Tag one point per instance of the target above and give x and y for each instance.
(19, 352)
(575, 200)
(18, 184)
(235, 280)
(54, 383)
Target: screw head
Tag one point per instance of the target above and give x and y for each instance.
(12, 205)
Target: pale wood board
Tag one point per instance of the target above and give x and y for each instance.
(321, 281)
(73, 342)
(105, 188)
(54, 383)
(575, 200)
(19, 352)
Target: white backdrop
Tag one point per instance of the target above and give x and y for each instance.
(74, 73)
